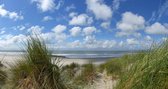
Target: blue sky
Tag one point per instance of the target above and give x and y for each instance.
(84, 24)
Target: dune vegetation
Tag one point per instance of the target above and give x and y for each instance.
(143, 70)
(148, 72)
(3, 76)
(39, 70)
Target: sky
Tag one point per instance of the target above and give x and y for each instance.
(84, 24)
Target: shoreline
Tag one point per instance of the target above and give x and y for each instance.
(8, 60)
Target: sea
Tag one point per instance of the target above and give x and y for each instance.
(82, 54)
(68, 56)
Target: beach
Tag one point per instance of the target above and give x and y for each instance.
(104, 82)
(8, 58)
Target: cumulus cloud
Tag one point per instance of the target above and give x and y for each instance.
(47, 18)
(75, 44)
(45, 5)
(99, 9)
(89, 30)
(81, 19)
(132, 41)
(125, 33)
(75, 31)
(35, 29)
(59, 32)
(92, 42)
(105, 25)
(59, 29)
(8, 14)
(108, 43)
(48, 37)
(72, 14)
(11, 41)
(156, 28)
(130, 24)
(148, 38)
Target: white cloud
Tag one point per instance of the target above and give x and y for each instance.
(22, 28)
(71, 7)
(100, 10)
(121, 43)
(59, 29)
(124, 33)
(73, 14)
(59, 32)
(11, 15)
(2, 32)
(60, 3)
(89, 30)
(81, 19)
(35, 30)
(105, 25)
(89, 40)
(130, 24)
(11, 41)
(61, 37)
(3, 12)
(163, 9)
(75, 31)
(45, 5)
(75, 44)
(48, 37)
(156, 28)
(47, 18)
(148, 38)
(132, 41)
(116, 4)
(92, 42)
(108, 43)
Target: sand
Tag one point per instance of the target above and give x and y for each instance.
(8, 60)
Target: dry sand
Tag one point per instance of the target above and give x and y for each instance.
(11, 59)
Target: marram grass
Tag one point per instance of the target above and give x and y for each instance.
(149, 72)
(37, 70)
(3, 78)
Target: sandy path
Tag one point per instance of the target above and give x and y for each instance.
(104, 82)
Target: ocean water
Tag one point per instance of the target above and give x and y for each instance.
(78, 54)
(98, 55)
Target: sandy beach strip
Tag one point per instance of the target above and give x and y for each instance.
(8, 60)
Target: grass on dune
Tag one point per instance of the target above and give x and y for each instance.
(71, 70)
(3, 78)
(115, 67)
(37, 70)
(149, 72)
(87, 75)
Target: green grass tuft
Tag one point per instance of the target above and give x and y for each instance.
(37, 70)
(149, 72)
